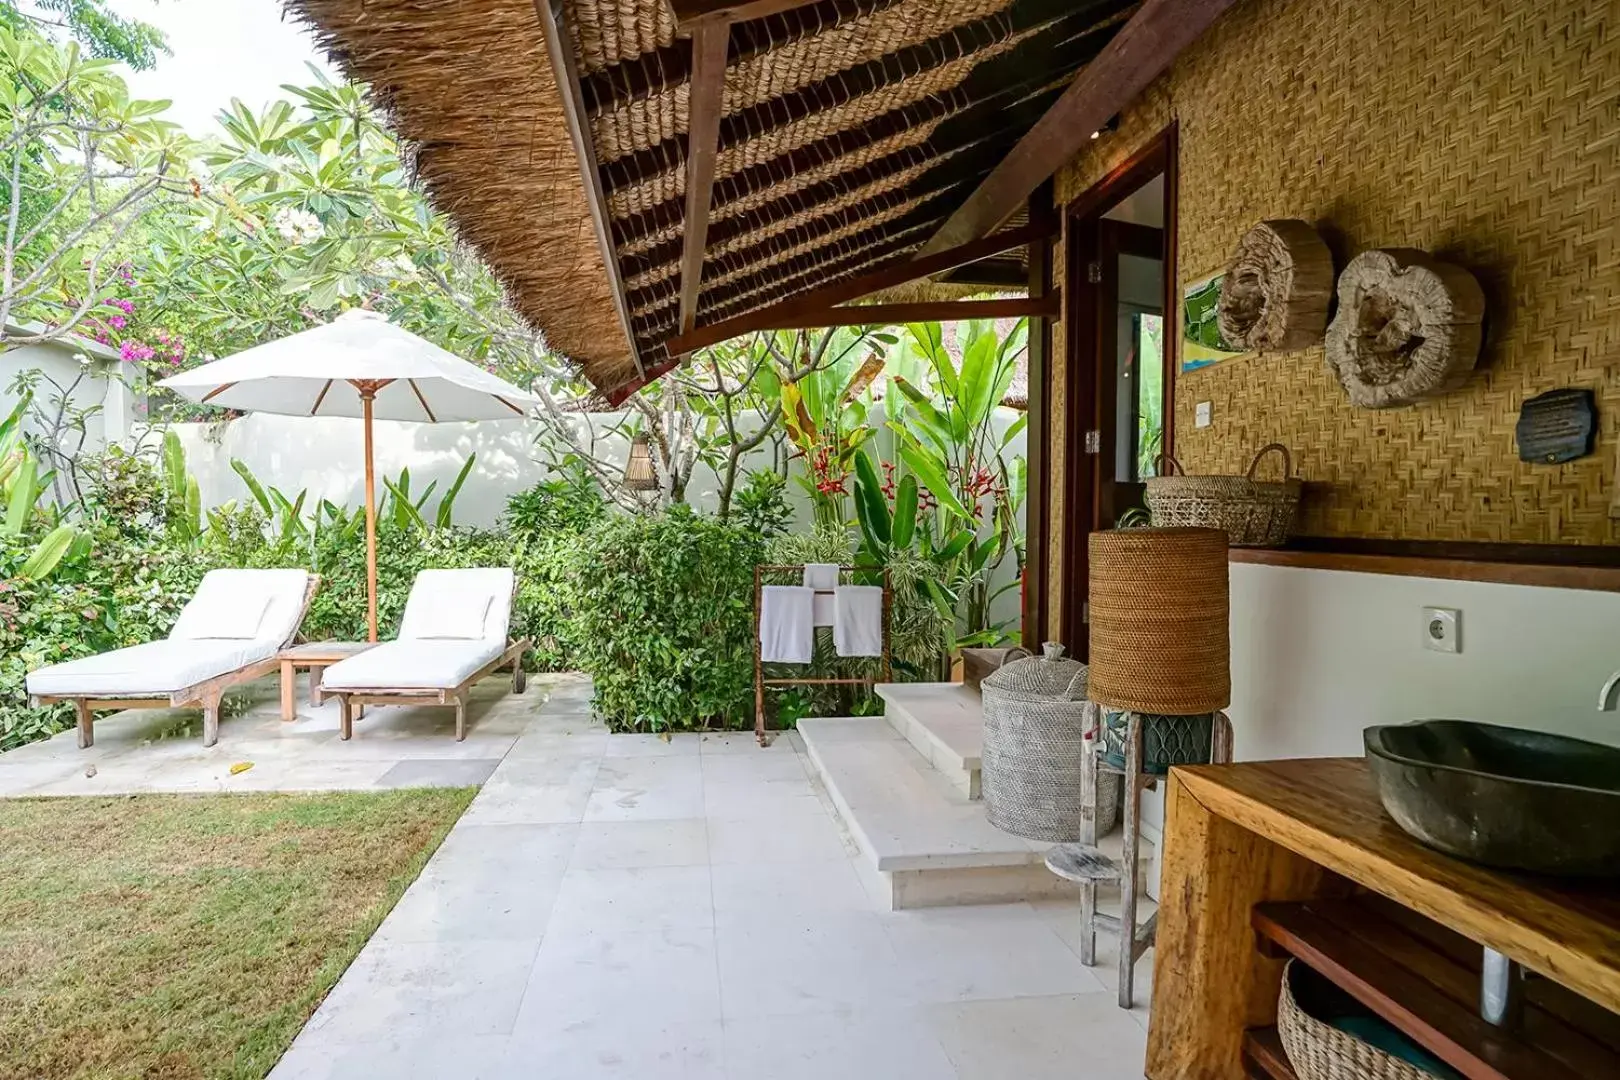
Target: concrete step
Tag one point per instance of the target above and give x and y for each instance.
(944, 722)
(923, 842)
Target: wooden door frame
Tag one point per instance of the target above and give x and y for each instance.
(1084, 383)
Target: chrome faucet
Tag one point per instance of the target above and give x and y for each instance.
(1606, 695)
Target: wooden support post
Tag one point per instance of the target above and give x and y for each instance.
(345, 717)
(1210, 983)
(210, 707)
(461, 717)
(87, 723)
(315, 673)
(289, 692)
(702, 147)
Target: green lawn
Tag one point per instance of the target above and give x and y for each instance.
(168, 937)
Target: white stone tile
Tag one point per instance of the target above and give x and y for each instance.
(615, 1046)
(730, 742)
(450, 988)
(647, 788)
(407, 1057)
(872, 1043)
(578, 978)
(633, 899)
(773, 963)
(615, 844)
(776, 763)
(535, 792)
(784, 838)
(796, 888)
(984, 951)
(1041, 1038)
(761, 799)
(683, 744)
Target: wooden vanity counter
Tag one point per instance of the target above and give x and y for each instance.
(1240, 835)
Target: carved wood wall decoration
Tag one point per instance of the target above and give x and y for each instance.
(1408, 327)
(1277, 288)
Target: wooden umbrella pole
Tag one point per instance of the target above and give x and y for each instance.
(367, 396)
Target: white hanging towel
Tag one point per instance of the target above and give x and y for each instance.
(858, 625)
(822, 577)
(786, 635)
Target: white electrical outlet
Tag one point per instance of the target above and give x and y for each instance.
(1442, 629)
(1201, 414)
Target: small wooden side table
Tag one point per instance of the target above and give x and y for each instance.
(316, 656)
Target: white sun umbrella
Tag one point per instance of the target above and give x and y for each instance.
(358, 365)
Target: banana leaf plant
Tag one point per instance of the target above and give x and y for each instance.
(943, 417)
(825, 417)
(21, 487)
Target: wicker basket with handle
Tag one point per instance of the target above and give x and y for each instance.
(1320, 1051)
(1254, 513)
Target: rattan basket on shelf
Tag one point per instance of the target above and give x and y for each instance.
(1254, 513)
(1319, 1051)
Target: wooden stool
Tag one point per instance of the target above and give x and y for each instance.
(1088, 866)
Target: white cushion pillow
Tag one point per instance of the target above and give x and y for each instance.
(221, 612)
(442, 610)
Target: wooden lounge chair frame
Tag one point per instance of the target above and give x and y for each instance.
(455, 695)
(207, 695)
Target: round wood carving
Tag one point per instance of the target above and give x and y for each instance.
(1408, 327)
(1277, 287)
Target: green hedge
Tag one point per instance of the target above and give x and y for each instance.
(663, 620)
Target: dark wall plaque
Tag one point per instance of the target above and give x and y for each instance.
(1559, 425)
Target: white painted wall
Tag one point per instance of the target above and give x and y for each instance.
(61, 364)
(1318, 655)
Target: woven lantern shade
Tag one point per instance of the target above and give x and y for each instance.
(1159, 633)
(639, 474)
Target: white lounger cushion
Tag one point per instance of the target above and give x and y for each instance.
(423, 664)
(451, 603)
(184, 659)
(153, 669)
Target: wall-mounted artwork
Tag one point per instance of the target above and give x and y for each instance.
(1201, 340)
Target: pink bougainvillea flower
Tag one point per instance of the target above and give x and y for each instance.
(117, 322)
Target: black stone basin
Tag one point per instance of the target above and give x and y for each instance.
(1502, 796)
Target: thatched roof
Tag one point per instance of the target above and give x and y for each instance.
(849, 131)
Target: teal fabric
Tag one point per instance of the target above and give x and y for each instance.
(1375, 1032)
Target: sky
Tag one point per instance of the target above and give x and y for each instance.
(223, 49)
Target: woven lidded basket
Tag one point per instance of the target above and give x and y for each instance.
(1031, 768)
(1319, 1051)
(1254, 513)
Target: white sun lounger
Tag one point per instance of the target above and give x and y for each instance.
(229, 632)
(453, 634)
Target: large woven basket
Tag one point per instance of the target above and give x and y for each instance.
(1254, 513)
(1319, 1051)
(1031, 768)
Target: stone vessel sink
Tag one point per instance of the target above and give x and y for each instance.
(1502, 796)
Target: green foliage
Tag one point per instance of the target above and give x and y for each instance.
(102, 31)
(664, 618)
(570, 503)
(761, 505)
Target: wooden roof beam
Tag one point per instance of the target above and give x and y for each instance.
(839, 89)
(671, 65)
(1137, 55)
(897, 273)
(703, 138)
(926, 311)
(560, 50)
(1050, 56)
(971, 159)
(693, 14)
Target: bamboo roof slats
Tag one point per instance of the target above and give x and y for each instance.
(848, 133)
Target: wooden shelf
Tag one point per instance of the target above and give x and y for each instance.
(1547, 575)
(1425, 992)
(1264, 1057)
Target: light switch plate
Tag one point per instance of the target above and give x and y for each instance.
(1442, 629)
(1201, 414)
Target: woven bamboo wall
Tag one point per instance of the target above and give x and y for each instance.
(1486, 132)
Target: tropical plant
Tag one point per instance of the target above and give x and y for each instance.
(21, 488)
(82, 160)
(93, 24)
(664, 620)
(761, 504)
